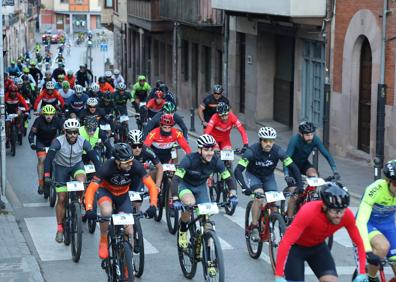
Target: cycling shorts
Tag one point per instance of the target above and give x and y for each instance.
(63, 174)
(223, 143)
(388, 229)
(200, 192)
(304, 167)
(318, 258)
(40, 148)
(268, 183)
(122, 203)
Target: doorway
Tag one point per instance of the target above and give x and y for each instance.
(364, 118)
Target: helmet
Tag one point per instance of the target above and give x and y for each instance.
(167, 119)
(121, 86)
(306, 127)
(217, 88)
(158, 83)
(108, 73)
(90, 123)
(79, 89)
(12, 62)
(48, 110)
(95, 87)
(116, 72)
(50, 85)
(101, 79)
(390, 170)
(135, 136)
(13, 88)
(18, 80)
(169, 108)
(206, 141)
(92, 102)
(65, 84)
(159, 94)
(222, 108)
(163, 87)
(334, 195)
(61, 76)
(25, 69)
(141, 77)
(48, 72)
(71, 123)
(32, 62)
(267, 133)
(70, 72)
(122, 152)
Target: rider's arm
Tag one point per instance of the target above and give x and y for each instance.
(325, 153)
(183, 142)
(55, 146)
(90, 192)
(23, 102)
(155, 160)
(242, 164)
(353, 232)
(153, 190)
(211, 124)
(38, 101)
(226, 175)
(149, 138)
(105, 140)
(32, 132)
(240, 128)
(179, 121)
(91, 154)
(60, 99)
(200, 112)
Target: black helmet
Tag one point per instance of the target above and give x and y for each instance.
(222, 108)
(334, 195)
(217, 88)
(163, 87)
(158, 83)
(90, 123)
(101, 79)
(122, 152)
(306, 127)
(390, 170)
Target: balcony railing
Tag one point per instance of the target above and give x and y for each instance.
(194, 12)
(144, 9)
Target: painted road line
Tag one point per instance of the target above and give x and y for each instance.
(42, 231)
(238, 217)
(35, 205)
(149, 248)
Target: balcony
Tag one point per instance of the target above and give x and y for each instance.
(287, 8)
(192, 12)
(146, 14)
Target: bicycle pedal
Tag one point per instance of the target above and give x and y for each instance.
(104, 264)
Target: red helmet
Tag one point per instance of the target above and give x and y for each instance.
(13, 88)
(167, 119)
(159, 94)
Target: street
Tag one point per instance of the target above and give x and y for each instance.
(37, 223)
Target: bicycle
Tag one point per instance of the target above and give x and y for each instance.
(204, 245)
(141, 116)
(11, 124)
(382, 276)
(219, 187)
(121, 129)
(271, 226)
(119, 264)
(89, 171)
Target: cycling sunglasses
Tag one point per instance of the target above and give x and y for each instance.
(72, 132)
(134, 146)
(128, 162)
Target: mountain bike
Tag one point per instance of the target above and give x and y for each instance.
(121, 129)
(382, 277)
(11, 125)
(204, 245)
(271, 226)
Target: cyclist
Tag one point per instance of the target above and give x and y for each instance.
(189, 181)
(47, 77)
(112, 183)
(163, 138)
(66, 92)
(7, 81)
(376, 220)
(92, 109)
(45, 128)
(49, 96)
(66, 153)
(140, 91)
(304, 239)
(77, 101)
(59, 70)
(155, 104)
(13, 69)
(35, 72)
(107, 103)
(209, 105)
(13, 99)
(121, 98)
(109, 78)
(168, 95)
(83, 77)
(94, 91)
(145, 156)
(31, 79)
(117, 78)
(104, 85)
(70, 77)
(167, 108)
(95, 136)
(260, 161)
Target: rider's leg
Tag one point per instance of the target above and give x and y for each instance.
(106, 209)
(320, 260)
(40, 168)
(257, 203)
(380, 246)
(188, 199)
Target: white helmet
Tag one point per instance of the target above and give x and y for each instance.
(71, 123)
(50, 85)
(108, 74)
(79, 89)
(95, 87)
(92, 102)
(206, 140)
(267, 133)
(135, 136)
(116, 72)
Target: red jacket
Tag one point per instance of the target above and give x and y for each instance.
(13, 103)
(71, 80)
(160, 142)
(49, 99)
(103, 87)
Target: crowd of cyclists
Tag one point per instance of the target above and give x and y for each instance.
(78, 121)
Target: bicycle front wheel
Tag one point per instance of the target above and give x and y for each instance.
(212, 257)
(52, 195)
(14, 136)
(277, 230)
(161, 203)
(76, 232)
(172, 215)
(254, 245)
(187, 260)
(126, 262)
(138, 249)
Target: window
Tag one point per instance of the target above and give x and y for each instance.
(207, 67)
(242, 58)
(79, 2)
(185, 59)
(108, 3)
(115, 7)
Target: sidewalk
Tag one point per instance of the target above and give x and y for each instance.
(16, 261)
(355, 175)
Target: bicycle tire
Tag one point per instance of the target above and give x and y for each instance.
(172, 215)
(161, 203)
(91, 225)
(138, 249)
(67, 227)
(207, 256)
(76, 232)
(126, 262)
(13, 140)
(229, 209)
(253, 252)
(188, 254)
(277, 233)
(52, 195)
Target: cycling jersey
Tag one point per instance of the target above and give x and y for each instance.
(162, 145)
(57, 72)
(299, 150)
(138, 89)
(117, 79)
(221, 130)
(45, 131)
(44, 98)
(153, 107)
(147, 155)
(82, 78)
(94, 139)
(12, 104)
(117, 181)
(76, 103)
(311, 227)
(103, 87)
(120, 101)
(210, 105)
(71, 79)
(66, 95)
(99, 114)
(169, 96)
(155, 122)
(377, 208)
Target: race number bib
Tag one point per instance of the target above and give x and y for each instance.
(89, 168)
(134, 196)
(123, 219)
(105, 127)
(273, 196)
(227, 155)
(207, 208)
(124, 118)
(315, 181)
(169, 167)
(74, 186)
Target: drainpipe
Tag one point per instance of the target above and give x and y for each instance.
(2, 114)
(174, 55)
(225, 52)
(381, 99)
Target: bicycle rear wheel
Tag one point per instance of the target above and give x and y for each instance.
(126, 262)
(187, 260)
(254, 246)
(172, 215)
(138, 248)
(14, 136)
(277, 230)
(76, 232)
(67, 226)
(229, 209)
(212, 257)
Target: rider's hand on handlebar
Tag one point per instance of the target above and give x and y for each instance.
(91, 214)
(336, 176)
(361, 278)
(245, 146)
(150, 212)
(178, 205)
(290, 181)
(33, 146)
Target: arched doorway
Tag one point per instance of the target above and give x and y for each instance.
(364, 118)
